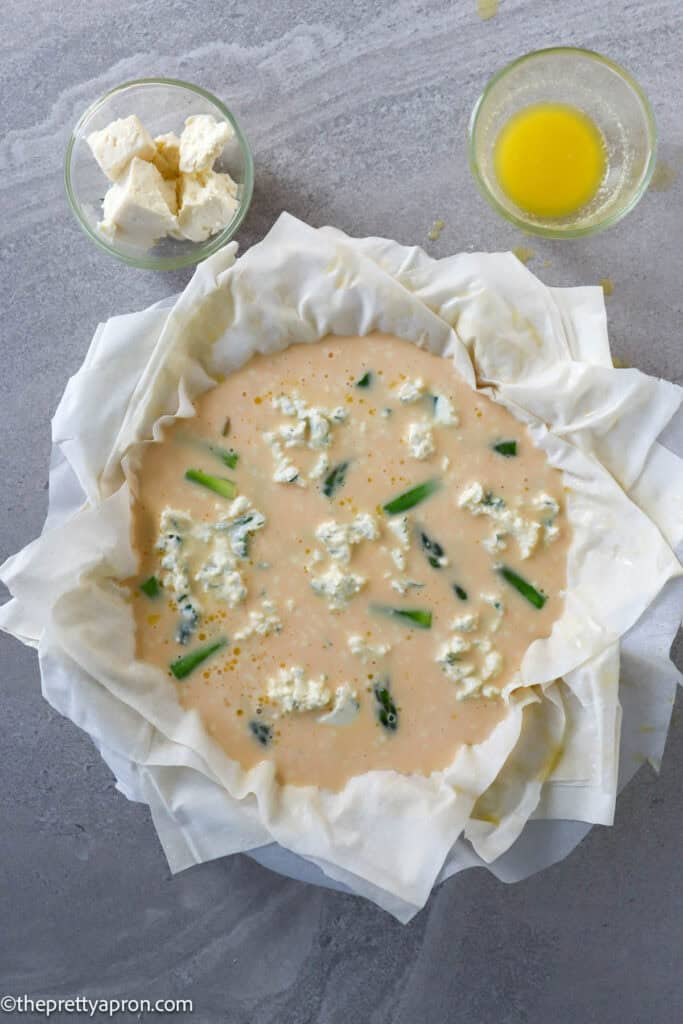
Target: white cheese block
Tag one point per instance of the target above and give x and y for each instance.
(167, 156)
(207, 204)
(115, 146)
(202, 142)
(140, 206)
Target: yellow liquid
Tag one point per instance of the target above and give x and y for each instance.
(550, 159)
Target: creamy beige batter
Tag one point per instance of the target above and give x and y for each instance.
(229, 690)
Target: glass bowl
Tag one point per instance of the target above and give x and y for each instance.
(162, 104)
(601, 89)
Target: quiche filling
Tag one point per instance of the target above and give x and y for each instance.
(344, 556)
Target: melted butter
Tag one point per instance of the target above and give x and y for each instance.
(550, 160)
(433, 723)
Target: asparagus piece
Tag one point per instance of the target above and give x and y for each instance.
(227, 456)
(335, 479)
(151, 587)
(420, 617)
(261, 731)
(365, 381)
(413, 497)
(218, 484)
(387, 713)
(533, 596)
(459, 592)
(506, 448)
(182, 667)
(436, 556)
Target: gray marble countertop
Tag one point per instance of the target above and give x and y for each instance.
(356, 113)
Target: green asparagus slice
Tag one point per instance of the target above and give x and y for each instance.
(335, 479)
(151, 587)
(227, 456)
(261, 731)
(436, 556)
(365, 381)
(182, 667)
(387, 712)
(218, 484)
(525, 588)
(460, 592)
(420, 617)
(411, 498)
(506, 448)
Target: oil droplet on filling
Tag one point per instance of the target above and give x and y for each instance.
(550, 159)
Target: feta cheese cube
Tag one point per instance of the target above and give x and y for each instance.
(115, 146)
(140, 206)
(202, 142)
(167, 156)
(207, 204)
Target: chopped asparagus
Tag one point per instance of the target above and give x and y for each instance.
(226, 427)
(420, 617)
(411, 498)
(387, 712)
(182, 667)
(261, 731)
(218, 484)
(151, 587)
(459, 592)
(335, 479)
(533, 596)
(506, 448)
(436, 556)
(227, 456)
(365, 381)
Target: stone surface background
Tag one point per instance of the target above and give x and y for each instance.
(356, 113)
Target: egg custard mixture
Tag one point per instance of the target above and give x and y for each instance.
(343, 558)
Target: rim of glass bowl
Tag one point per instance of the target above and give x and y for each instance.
(569, 232)
(203, 249)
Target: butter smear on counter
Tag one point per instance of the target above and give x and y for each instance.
(165, 185)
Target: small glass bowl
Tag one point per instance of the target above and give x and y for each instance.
(162, 104)
(601, 89)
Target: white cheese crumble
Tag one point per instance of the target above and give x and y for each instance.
(483, 503)
(313, 430)
(466, 623)
(496, 603)
(291, 691)
(550, 510)
(345, 708)
(365, 651)
(420, 440)
(403, 585)
(444, 412)
(115, 146)
(411, 390)
(262, 622)
(320, 467)
(338, 538)
(337, 586)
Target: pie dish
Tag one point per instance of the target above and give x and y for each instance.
(538, 356)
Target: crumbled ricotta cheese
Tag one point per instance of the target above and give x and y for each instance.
(444, 412)
(337, 586)
(420, 440)
(346, 707)
(202, 142)
(291, 691)
(262, 622)
(141, 206)
(480, 503)
(338, 538)
(365, 651)
(115, 146)
(411, 390)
